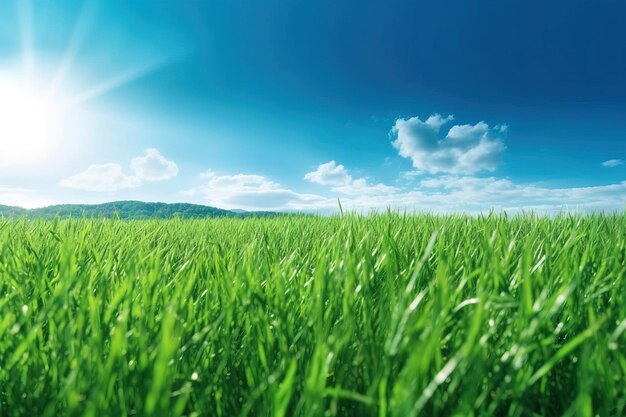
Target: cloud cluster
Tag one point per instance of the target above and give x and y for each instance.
(442, 194)
(473, 195)
(447, 189)
(329, 174)
(101, 178)
(152, 166)
(446, 178)
(465, 149)
(342, 182)
(480, 194)
(252, 192)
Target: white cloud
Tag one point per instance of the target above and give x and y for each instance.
(337, 176)
(473, 194)
(252, 192)
(612, 163)
(329, 174)
(466, 149)
(362, 187)
(453, 193)
(101, 178)
(152, 166)
(503, 193)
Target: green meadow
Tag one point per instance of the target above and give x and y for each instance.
(378, 315)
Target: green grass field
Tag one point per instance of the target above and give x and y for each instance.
(381, 315)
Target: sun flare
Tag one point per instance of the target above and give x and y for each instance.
(30, 124)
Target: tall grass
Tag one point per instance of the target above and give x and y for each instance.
(380, 315)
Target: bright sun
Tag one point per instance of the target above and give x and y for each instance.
(29, 124)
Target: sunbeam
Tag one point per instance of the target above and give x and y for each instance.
(80, 29)
(25, 19)
(117, 82)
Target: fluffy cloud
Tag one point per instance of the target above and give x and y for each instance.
(329, 174)
(101, 178)
(465, 149)
(612, 163)
(337, 176)
(152, 166)
(467, 193)
(485, 193)
(409, 175)
(362, 187)
(473, 195)
(252, 192)
(460, 193)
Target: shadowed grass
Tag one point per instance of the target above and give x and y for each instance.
(379, 315)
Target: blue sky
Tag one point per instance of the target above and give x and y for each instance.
(284, 105)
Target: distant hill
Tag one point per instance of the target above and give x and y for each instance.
(127, 210)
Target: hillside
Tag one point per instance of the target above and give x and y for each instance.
(126, 210)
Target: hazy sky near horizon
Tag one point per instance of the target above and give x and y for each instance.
(291, 105)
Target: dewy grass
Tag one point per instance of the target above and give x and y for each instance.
(379, 315)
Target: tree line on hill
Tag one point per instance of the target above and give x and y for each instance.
(130, 210)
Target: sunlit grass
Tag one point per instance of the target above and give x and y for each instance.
(305, 316)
